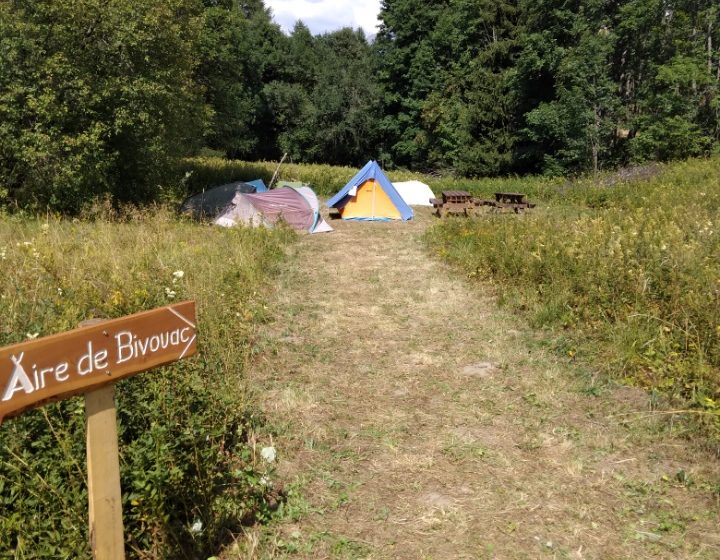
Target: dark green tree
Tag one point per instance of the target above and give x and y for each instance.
(470, 119)
(571, 120)
(446, 72)
(667, 72)
(326, 106)
(408, 73)
(346, 99)
(95, 97)
(240, 51)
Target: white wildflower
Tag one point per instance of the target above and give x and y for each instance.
(268, 454)
(60, 291)
(178, 274)
(196, 527)
(31, 336)
(170, 293)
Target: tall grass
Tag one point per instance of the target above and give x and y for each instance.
(632, 271)
(203, 173)
(190, 473)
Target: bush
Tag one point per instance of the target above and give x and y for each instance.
(190, 473)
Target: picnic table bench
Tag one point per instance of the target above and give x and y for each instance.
(459, 202)
(453, 202)
(512, 200)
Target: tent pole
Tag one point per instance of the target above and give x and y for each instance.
(276, 171)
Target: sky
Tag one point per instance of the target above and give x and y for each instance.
(326, 15)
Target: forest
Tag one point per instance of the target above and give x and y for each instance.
(103, 98)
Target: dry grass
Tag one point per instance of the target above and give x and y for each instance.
(419, 421)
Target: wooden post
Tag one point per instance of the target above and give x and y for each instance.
(103, 471)
(103, 466)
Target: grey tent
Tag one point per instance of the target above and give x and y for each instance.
(208, 204)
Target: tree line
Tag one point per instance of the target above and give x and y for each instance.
(104, 96)
(549, 86)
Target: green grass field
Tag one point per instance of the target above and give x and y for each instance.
(187, 432)
(623, 274)
(626, 273)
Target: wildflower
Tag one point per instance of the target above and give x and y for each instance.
(196, 527)
(117, 298)
(31, 336)
(178, 274)
(45, 227)
(60, 291)
(170, 293)
(268, 454)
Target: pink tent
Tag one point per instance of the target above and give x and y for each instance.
(299, 208)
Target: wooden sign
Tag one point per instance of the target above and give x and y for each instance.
(48, 369)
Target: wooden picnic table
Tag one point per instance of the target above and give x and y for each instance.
(510, 197)
(453, 202)
(512, 201)
(459, 202)
(458, 197)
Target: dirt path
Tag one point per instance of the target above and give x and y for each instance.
(419, 421)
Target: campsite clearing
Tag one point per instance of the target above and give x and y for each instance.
(418, 420)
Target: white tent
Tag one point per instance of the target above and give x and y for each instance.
(414, 193)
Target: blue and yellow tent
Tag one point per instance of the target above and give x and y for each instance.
(369, 195)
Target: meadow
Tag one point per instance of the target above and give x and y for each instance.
(622, 273)
(191, 468)
(623, 267)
